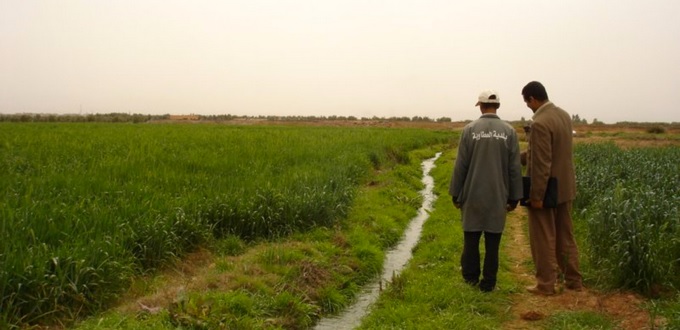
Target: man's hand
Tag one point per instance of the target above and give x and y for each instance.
(455, 202)
(536, 204)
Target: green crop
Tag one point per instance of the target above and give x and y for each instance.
(630, 203)
(87, 206)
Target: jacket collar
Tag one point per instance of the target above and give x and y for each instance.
(489, 115)
(542, 108)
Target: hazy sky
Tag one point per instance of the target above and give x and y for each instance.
(611, 60)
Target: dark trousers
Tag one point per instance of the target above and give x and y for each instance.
(470, 260)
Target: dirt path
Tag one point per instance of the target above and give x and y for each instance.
(624, 308)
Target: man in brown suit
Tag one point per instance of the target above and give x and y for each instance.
(550, 154)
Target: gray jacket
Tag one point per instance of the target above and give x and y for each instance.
(487, 173)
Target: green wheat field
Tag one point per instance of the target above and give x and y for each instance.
(87, 207)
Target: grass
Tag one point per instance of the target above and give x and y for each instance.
(89, 207)
(291, 281)
(430, 292)
(627, 213)
(669, 309)
(579, 321)
(115, 203)
(628, 206)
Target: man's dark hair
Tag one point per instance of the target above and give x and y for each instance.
(490, 105)
(536, 90)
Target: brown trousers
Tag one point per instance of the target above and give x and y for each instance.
(553, 247)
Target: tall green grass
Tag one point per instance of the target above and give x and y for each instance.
(87, 206)
(630, 203)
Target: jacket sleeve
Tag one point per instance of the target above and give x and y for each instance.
(460, 168)
(541, 159)
(515, 169)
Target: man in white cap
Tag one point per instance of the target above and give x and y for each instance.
(486, 184)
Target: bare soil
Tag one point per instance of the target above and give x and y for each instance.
(625, 308)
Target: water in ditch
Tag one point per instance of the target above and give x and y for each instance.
(395, 260)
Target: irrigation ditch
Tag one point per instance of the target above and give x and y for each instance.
(395, 260)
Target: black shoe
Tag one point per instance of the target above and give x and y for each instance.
(485, 288)
(487, 285)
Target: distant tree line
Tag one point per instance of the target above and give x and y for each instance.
(75, 118)
(577, 120)
(323, 118)
(138, 118)
(116, 117)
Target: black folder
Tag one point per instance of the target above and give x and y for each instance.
(550, 198)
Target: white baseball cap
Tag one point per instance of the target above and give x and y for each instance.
(488, 96)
